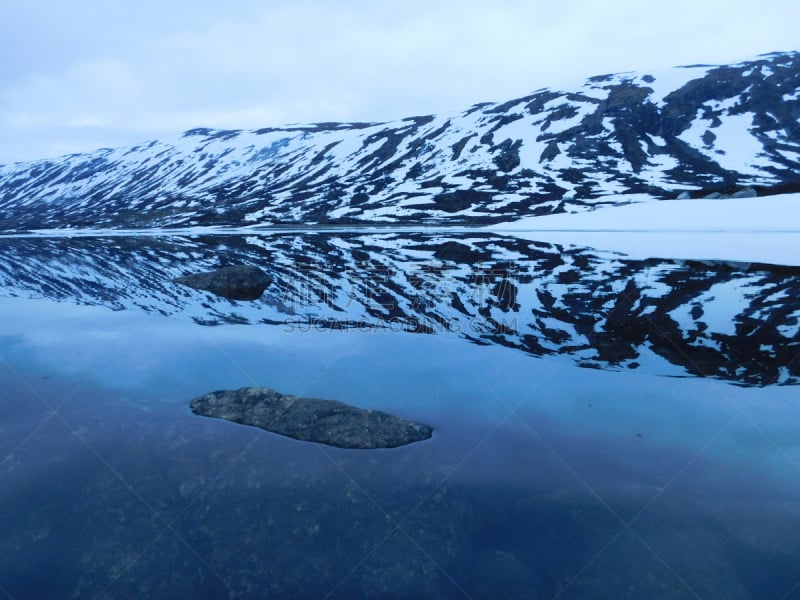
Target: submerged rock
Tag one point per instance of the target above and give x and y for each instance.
(239, 282)
(323, 421)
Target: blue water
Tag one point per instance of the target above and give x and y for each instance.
(542, 480)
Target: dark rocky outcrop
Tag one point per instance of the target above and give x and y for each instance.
(238, 282)
(323, 421)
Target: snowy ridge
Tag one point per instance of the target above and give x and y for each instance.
(735, 321)
(697, 129)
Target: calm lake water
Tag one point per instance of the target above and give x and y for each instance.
(604, 427)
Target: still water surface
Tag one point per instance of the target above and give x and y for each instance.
(594, 438)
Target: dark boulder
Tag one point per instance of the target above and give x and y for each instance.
(323, 421)
(239, 282)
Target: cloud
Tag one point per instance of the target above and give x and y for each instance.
(126, 71)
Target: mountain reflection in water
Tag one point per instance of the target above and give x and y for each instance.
(733, 321)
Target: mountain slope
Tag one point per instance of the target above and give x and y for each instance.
(696, 129)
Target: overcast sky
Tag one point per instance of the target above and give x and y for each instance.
(82, 74)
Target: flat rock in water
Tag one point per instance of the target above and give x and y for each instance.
(239, 282)
(323, 421)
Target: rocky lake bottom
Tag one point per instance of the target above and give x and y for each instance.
(603, 427)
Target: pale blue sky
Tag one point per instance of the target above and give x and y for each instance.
(85, 74)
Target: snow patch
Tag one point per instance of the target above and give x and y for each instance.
(668, 81)
(765, 229)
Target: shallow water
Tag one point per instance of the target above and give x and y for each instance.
(611, 440)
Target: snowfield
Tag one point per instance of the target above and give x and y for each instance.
(763, 229)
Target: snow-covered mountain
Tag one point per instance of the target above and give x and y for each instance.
(736, 321)
(697, 129)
